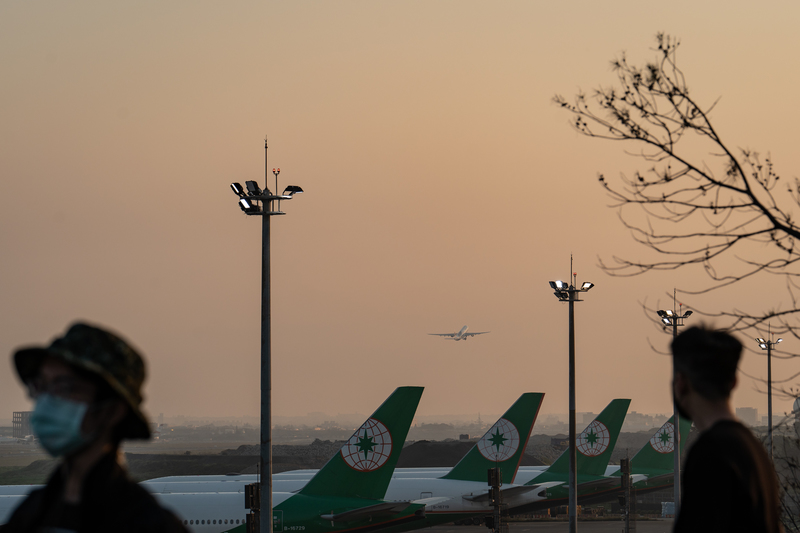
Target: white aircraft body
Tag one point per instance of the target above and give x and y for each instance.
(460, 335)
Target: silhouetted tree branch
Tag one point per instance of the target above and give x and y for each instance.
(698, 201)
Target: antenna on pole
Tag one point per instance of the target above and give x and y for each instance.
(572, 274)
(266, 164)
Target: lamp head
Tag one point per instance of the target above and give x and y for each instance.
(249, 207)
(252, 188)
(587, 285)
(291, 190)
(237, 189)
(759, 340)
(687, 314)
(779, 340)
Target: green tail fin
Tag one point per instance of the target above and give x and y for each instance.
(503, 445)
(596, 442)
(364, 465)
(657, 456)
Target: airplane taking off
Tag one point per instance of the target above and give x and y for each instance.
(460, 335)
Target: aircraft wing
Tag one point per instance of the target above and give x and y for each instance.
(468, 334)
(511, 492)
(370, 511)
(607, 482)
(451, 335)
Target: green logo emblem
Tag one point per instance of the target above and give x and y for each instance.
(664, 439)
(500, 442)
(369, 447)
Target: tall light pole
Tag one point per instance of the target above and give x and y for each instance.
(675, 319)
(257, 202)
(568, 292)
(768, 345)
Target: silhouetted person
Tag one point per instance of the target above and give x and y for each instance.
(729, 483)
(87, 388)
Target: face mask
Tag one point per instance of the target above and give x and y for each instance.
(57, 423)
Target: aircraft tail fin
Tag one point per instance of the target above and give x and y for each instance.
(596, 442)
(503, 445)
(364, 465)
(657, 456)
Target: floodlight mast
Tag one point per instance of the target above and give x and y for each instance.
(674, 319)
(255, 201)
(768, 345)
(567, 292)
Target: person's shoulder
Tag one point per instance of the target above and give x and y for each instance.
(26, 512)
(729, 433)
(138, 510)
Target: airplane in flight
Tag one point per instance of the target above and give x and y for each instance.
(460, 335)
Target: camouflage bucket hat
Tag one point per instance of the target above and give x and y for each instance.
(99, 352)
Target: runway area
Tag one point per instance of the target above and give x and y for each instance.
(609, 526)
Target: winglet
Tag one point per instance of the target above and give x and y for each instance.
(364, 465)
(503, 445)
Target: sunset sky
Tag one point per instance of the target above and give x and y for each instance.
(443, 188)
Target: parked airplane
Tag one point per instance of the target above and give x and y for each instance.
(347, 494)
(594, 447)
(652, 466)
(460, 335)
(651, 469)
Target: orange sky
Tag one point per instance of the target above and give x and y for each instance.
(443, 189)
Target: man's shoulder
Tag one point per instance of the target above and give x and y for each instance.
(729, 435)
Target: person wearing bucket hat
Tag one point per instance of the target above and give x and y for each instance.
(87, 388)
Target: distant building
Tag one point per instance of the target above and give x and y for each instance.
(748, 415)
(21, 424)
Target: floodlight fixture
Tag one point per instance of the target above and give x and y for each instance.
(768, 345)
(252, 188)
(291, 190)
(670, 318)
(255, 201)
(248, 206)
(587, 285)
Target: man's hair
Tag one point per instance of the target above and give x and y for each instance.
(709, 359)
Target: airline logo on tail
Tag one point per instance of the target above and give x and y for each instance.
(500, 442)
(369, 447)
(664, 439)
(594, 440)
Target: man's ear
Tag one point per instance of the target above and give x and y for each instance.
(681, 384)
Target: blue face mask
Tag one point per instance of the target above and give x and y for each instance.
(57, 423)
